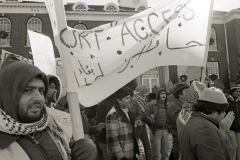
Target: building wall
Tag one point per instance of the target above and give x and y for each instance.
(219, 55)
(88, 24)
(19, 32)
(233, 45)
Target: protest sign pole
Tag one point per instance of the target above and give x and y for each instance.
(58, 20)
(207, 43)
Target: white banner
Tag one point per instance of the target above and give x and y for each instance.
(104, 59)
(43, 53)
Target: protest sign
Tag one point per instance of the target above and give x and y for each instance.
(63, 119)
(43, 53)
(6, 53)
(107, 57)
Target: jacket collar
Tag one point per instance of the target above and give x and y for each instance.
(196, 114)
(7, 139)
(124, 116)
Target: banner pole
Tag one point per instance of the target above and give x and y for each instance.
(58, 20)
(204, 67)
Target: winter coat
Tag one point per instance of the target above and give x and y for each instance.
(120, 134)
(157, 115)
(172, 113)
(235, 107)
(102, 111)
(44, 147)
(202, 139)
(41, 147)
(139, 107)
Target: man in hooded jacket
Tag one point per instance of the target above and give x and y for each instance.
(27, 131)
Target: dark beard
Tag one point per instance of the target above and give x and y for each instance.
(25, 118)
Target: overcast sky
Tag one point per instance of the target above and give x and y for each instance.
(220, 5)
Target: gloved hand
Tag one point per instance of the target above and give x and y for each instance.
(84, 149)
(228, 120)
(124, 158)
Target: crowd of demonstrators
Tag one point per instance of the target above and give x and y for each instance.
(27, 131)
(204, 122)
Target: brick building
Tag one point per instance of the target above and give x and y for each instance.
(18, 15)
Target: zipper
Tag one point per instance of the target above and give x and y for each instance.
(39, 146)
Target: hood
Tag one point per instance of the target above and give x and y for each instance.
(14, 76)
(57, 80)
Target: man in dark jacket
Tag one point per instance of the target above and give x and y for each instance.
(158, 119)
(234, 105)
(172, 114)
(201, 137)
(27, 130)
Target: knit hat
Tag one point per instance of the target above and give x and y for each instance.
(194, 91)
(121, 93)
(233, 89)
(183, 78)
(215, 96)
(142, 90)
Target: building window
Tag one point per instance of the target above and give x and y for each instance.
(212, 68)
(5, 31)
(111, 8)
(80, 27)
(213, 41)
(34, 24)
(141, 8)
(150, 80)
(80, 6)
(10, 1)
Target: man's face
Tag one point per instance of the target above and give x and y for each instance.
(183, 95)
(218, 117)
(124, 102)
(236, 93)
(31, 102)
(163, 95)
(52, 93)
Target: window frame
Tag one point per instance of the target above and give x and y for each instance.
(80, 24)
(211, 71)
(35, 30)
(213, 35)
(8, 38)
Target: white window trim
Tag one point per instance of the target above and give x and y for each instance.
(213, 67)
(7, 1)
(80, 3)
(215, 40)
(27, 39)
(9, 32)
(140, 5)
(81, 25)
(111, 4)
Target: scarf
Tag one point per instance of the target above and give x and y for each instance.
(11, 126)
